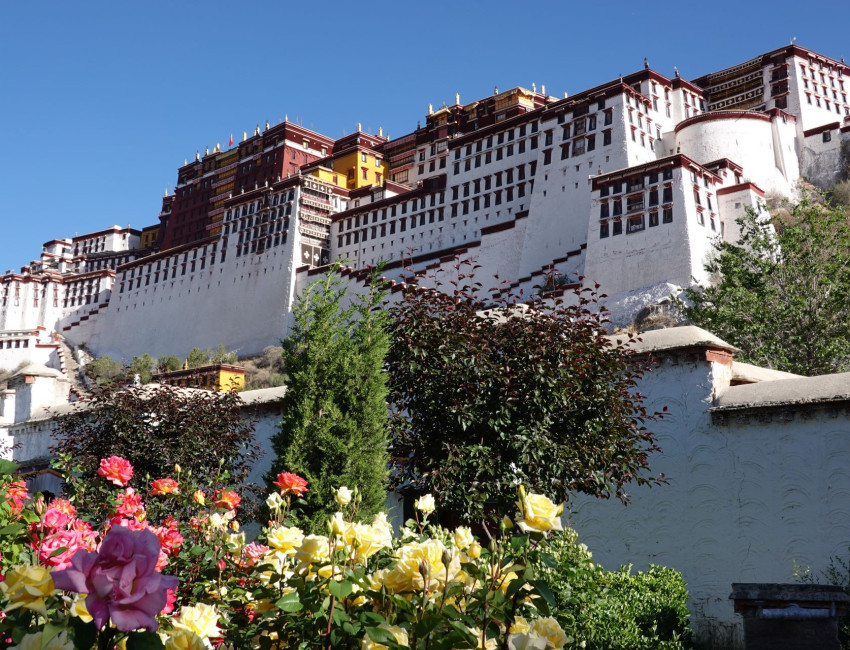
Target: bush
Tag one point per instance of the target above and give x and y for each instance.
(617, 609)
(356, 588)
(156, 427)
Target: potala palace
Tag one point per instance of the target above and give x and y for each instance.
(628, 184)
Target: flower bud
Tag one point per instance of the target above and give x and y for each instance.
(446, 557)
(424, 569)
(507, 524)
(177, 468)
(521, 491)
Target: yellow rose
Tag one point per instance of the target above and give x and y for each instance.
(27, 586)
(538, 514)
(184, 640)
(400, 635)
(520, 625)
(548, 628)
(202, 619)
(275, 502)
(343, 495)
(33, 642)
(462, 537)
(314, 549)
(285, 539)
(368, 540)
(527, 641)
(474, 551)
(78, 608)
(199, 498)
(425, 504)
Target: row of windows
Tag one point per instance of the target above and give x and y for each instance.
(483, 202)
(487, 182)
(261, 244)
(488, 142)
(500, 153)
(635, 183)
(412, 204)
(635, 223)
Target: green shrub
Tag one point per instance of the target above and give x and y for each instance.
(609, 610)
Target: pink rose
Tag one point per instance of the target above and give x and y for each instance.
(16, 491)
(120, 580)
(130, 504)
(116, 470)
(55, 518)
(170, 539)
(170, 600)
(64, 539)
(254, 552)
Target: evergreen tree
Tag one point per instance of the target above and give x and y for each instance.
(781, 295)
(334, 428)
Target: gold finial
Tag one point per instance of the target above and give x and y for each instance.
(197, 156)
(457, 98)
(257, 130)
(359, 127)
(286, 117)
(533, 87)
(166, 191)
(430, 108)
(495, 90)
(244, 136)
(381, 131)
(185, 161)
(206, 151)
(566, 94)
(543, 89)
(217, 147)
(267, 125)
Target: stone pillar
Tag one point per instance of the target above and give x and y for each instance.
(790, 616)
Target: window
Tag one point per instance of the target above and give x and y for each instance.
(603, 210)
(618, 207)
(618, 227)
(827, 136)
(667, 215)
(653, 219)
(653, 197)
(667, 197)
(603, 230)
(606, 137)
(667, 174)
(547, 156)
(591, 142)
(365, 174)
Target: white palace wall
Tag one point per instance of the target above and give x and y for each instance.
(242, 302)
(748, 497)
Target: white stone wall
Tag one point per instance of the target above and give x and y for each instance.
(745, 501)
(821, 160)
(745, 138)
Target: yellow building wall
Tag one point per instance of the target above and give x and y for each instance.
(149, 238)
(354, 162)
(330, 176)
(231, 380)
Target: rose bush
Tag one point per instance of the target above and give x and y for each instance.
(184, 577)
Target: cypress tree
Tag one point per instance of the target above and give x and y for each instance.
(334, 427)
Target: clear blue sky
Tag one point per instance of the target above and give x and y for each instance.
(102, 101)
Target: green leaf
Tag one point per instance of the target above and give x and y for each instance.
(85, 634)
(12, 529)
(543, 589)
(144, 640)
(289, 603)
(8, 467)
(339, 589)
(382, 636)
